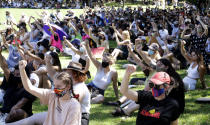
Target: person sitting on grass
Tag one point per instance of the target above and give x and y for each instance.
(104, 76)
(196, 69)
(81, 92)
(21, 106)
(63, 109)
(156, 107)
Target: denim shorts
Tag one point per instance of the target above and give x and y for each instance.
(95, 88)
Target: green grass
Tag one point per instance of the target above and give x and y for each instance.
(194, 114)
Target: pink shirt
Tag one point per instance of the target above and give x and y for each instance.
(55, 43)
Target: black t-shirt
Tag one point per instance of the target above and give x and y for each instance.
(154, 112)
(13, 94)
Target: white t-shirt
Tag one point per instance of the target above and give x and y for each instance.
(102, 79)
(82, 90)
(163, 34)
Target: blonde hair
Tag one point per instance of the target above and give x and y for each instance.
(65, 78)
(126, 34)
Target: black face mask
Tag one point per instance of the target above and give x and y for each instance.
(17, 79)
(105, 64)
(56, 38)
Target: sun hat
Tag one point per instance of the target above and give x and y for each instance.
(75, 66)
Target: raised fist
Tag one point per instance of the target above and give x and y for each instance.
(22, 64)
(130, 69)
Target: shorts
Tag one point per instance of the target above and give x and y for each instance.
(189, 83)
(95, 89)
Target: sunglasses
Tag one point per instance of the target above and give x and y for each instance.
(152, 85)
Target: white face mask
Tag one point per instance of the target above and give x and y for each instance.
(32, 27)
(41, 48)
(73, 36)
(82, 49)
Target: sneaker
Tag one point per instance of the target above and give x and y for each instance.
(118, 112)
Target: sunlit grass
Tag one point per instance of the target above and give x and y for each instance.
(194, 114)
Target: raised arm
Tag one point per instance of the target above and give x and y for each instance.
(4, 40)
(87, 64)
(29, 22)
(4, 65)
(131, 94)
(27, 83)
(120, 43)
(205, 27)
(92, 58)
(183, 51)
(51, 30)
(135, 57)
(34, 57)
(71, 46)
(72, 26)
(115, 30)
(183, 36)
(143, 54)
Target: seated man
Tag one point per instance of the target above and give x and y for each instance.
(17, 101)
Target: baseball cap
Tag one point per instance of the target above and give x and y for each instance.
(160, 78)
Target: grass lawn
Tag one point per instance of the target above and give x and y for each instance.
(195, 114)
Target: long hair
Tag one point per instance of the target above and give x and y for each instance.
(56, 60)
(67, 80)
(199, 55)
(178, 92)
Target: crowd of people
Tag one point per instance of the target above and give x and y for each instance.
(159, 41)
(49, 4)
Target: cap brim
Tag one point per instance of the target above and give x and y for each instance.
(157, 82)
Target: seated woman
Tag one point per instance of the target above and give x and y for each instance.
(55, 40)
(122, 46)
(156, 107)
(177, 92)
(151, 56)
(104, 76)
(60, 102)
(79, 55)
(14, 56)
(196, 69)
(21, 106)
(81, 91)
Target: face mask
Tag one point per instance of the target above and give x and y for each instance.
(157, 92)
(82, 49)
(32, 27)
(41, 48)
(56, 38)
(72, 36)
(105, 64)
(60, 92)
(17, 79)
(150, 52)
